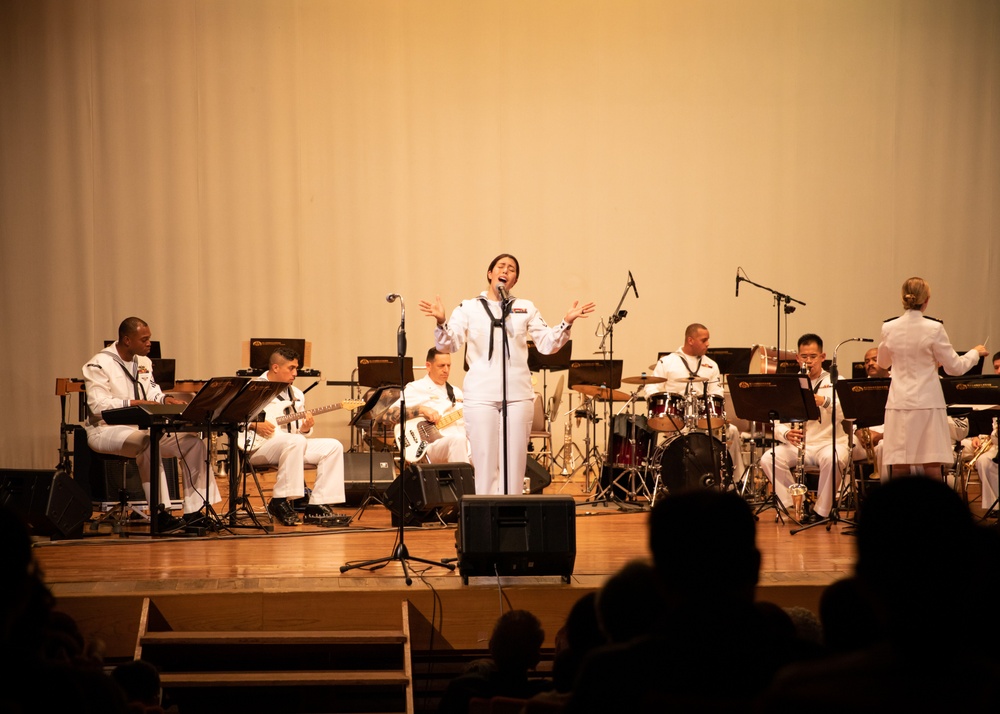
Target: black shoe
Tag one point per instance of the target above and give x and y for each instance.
(166, 523)
(281, 509)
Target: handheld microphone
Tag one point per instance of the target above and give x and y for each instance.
(737, 284)
(391, 297)
(632, 281)
(864, 339)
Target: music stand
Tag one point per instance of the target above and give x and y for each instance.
(863, 400)
(379, 402)
(383, 371)
(242, 409)
(731, 360)
(974, 390)
(773, 398)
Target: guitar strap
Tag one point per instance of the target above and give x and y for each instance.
(291, 398)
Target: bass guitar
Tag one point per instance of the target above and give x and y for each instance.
(421, 433)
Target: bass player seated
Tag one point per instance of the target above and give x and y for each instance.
(435, 429)
(281, 439)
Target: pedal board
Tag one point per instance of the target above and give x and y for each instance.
(338, 521)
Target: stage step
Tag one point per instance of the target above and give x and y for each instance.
(288, 671)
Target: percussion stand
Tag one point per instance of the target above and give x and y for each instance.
(632, 471)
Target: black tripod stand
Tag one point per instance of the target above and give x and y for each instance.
(773, 398)
(399, 553)
(378, 403)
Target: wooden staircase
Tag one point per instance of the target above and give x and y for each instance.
(279, 671)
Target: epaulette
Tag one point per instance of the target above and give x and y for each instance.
(928, 317)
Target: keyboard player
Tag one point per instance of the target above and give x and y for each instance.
(121, 375)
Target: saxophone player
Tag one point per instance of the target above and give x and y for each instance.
(818, 435)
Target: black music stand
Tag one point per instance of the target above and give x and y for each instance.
(377, 372)
(773, 398)
(731, 360)
(379, 402)
(972, 390)
(606, 374)
(538, 362)
(244, 408)
(863, 400)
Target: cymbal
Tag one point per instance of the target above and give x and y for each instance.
(643, 379)
(602, 393)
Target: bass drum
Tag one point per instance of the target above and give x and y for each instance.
(770, 360)
(686, 463)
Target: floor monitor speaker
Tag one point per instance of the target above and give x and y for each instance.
(358, 466)
(431, 491)
(51, 502)
(516, 535)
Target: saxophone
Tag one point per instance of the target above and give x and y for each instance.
(799, 489)
(965, 469)
(864, 435)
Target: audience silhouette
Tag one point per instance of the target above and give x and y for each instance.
(921, 563)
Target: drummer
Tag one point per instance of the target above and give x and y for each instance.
(686, 372)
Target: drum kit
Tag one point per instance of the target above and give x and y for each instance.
(635, 466)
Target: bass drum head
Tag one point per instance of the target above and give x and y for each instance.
(686, 463)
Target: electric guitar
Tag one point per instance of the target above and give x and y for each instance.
(279, 416)
(421, 433)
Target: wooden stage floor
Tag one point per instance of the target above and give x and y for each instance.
(290, 578)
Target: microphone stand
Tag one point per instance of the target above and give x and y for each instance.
(834, 515)
(400, 552)
(779, 298)
(606, 495)
(506, 303)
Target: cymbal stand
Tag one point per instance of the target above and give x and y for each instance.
(631, 471)
(241, 505)
(593, 459)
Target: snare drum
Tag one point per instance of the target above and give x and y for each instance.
(666, 411)
(713, 413)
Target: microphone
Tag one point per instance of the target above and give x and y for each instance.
(391, 297)
(632, 281)
(864, 339)
(737, 284)
(502, 291)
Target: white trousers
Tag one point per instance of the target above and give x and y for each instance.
(484, 425)
(291, 453)
(133, 443)
(452, 447)
(786, 458)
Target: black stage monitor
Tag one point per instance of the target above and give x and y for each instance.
(261, 349)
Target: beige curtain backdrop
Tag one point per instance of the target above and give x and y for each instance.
(228, 169)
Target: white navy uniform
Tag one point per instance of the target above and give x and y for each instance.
(470, 326)
(453, 446)
(113, 383)
(916, 422)
(818, 451)
(292, 450)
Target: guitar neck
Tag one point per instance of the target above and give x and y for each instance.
(448, 419)
(280, 421)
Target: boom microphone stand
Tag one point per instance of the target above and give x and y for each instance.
(400, 552)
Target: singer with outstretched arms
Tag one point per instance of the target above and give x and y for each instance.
(486, 325)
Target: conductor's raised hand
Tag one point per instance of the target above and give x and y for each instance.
(578, 310)
(433, 309)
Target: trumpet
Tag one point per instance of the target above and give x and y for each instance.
(967, 465)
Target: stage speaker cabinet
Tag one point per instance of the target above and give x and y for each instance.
(516, 535)
(50, 502)
(356, 472)
(538, 476)
(432, 492)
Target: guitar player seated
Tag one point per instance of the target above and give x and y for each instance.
(281, 439)
(435, 430)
